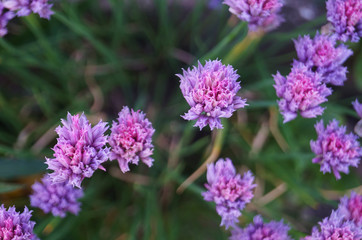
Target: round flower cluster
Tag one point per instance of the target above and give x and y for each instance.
(351, 208)
(210, 91)
(228, 190)
(57, 198)
(131, 139)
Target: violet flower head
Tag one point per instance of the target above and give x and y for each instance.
(15, 225)
(26, 7)
(262, 14)
(5, 17)
(228, 190)
(80, 150)
(301, 91)
(335, 227)
(210, 91)
(358, 107)
(322, 54)
(258, 230)
(351, 208)
(57, 198)
(346, 19)
(131, 139)
(336, 151)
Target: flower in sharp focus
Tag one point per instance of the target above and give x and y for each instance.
(346, 19)
(321, 53)
(57, 198)
(131, 139)
(351, 208)
(335, 227)
(336, 151)
(301, 91)
(80, 150)
(228, 190)
(258, 230)
(210, 91)
(262, 14)
(15, 225)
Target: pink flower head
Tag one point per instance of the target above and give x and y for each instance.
(210, 91)
(80, 150)
(321, 53)
(258, 230)
(301, 91)
(131, 139)
(335, 149)
(15, 225)
(351, 208)
(228, 190)
(258, 13)
(346, 18)
(57, 198)
(335, 227)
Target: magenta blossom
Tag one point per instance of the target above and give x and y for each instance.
(228, 190)
(80, 150)
(57, 198)
(262, 14)
(322, 54)
(346, 19)
(351, 208)
(258, 230)
(301, 91)
(15, 225)
(336, 151)
(131, 139)
(210, 91)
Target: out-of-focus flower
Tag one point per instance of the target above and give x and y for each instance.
(358, 107)
(322, 54)
(25, 7)
(131, 139)
(336, 227)
(210, 91)
(351, 208)
(80, 150)
(301, 91)
(346, 18)
(228, 190)
(260, 231)
(5, 17)
(15, 225)
(336, 151)
(57, 198)
(258, 13)
(214, 4)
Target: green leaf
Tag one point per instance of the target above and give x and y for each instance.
(9, 187)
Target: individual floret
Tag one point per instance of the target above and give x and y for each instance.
(336, 151)
(322, 55)
(258, 230)
(80, 150)
(358, 107)
(57, 198)
(131, 139)
(301, 91)
(210, 91)
(336, 227)
(346, 19)
(228, 190)
(262, 14)
(351, 208)
(15, 225)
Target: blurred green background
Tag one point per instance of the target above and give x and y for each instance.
(97, 56)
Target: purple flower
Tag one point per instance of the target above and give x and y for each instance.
(301, 91)
(358, 107)
(335, 149)
(228, 190)
(15, 225)
(351, 208)
(258, 13)
(260, 231)
(25, 7)
(322, 54)
(80, 150)
(346, 19)
(131, 139)
(336, 227)
(5, 17)
(214, 4)
(210, 91)
(57, 198)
